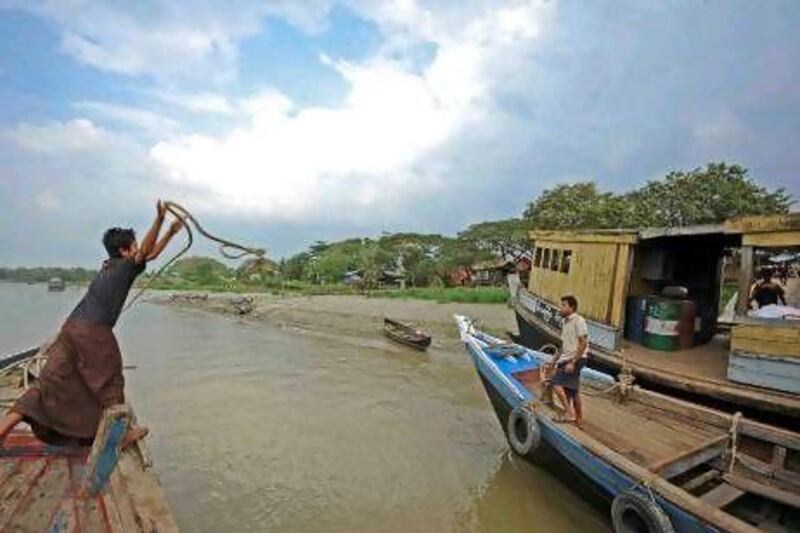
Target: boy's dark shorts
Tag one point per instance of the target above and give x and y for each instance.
(570, 381)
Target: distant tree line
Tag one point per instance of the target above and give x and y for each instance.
(700, 196)
(43, 274)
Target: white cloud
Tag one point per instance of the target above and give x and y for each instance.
(48, 200)
(148, 121)
(165, 39)
(391, 137)
(289, 162)
(57, 137)
(201, 102)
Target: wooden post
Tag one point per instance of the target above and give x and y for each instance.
(745, 278)
(106, 449)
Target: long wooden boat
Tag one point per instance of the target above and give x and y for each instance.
(60, 489)
(665, 464)
(405, 334)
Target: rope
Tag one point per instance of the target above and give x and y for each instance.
(225, 246)
(185, 216)
(734, 431)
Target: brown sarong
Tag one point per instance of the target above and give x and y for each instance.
(82, 376)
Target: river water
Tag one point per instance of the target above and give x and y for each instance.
(259, 428)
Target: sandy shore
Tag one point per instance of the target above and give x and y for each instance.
(351, 315)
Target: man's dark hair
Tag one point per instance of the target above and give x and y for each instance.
(571, 301)
(116, 238)
(766, 274)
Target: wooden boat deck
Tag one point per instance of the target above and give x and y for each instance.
(707, 361)
(39, 488)
(644, 434)
(703, 370)
(40, 485)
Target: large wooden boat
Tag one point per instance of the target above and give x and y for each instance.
(405, 334)
(619, 278)
(665, 464)
(73, 489)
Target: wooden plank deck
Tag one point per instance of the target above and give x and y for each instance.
(39, 492)
(701, 370)
(645, 434)
(40, 484)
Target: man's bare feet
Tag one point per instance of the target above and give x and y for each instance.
(134, 434)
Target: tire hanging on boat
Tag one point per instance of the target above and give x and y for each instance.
(633, 512)
(523, 431)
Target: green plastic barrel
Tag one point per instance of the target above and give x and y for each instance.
(661, 324)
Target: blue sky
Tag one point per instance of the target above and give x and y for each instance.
(282, 122)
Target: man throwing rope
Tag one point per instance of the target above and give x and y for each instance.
(83, 372)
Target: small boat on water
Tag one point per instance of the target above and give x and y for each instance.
(56, 285)
(666, 464)
(405, 334)
(42, 486)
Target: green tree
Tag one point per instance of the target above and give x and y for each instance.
(205, 270)
(703, 196)
(499, 238)
(578, 205)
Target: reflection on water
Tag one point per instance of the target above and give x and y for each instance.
(259, 428)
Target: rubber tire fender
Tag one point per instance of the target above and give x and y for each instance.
(523, 431)
(630, 506)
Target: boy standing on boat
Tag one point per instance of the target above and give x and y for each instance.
(571, 359)
(83, 373)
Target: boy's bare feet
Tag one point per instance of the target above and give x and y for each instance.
(134, 434)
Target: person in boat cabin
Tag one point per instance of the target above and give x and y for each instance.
(767, 292)
(569, 362)
(83, 372)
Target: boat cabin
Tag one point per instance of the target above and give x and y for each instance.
(657, 298)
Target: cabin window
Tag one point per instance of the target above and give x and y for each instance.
(566, 259)
(554, 257)
(537, 258)
(546, 258)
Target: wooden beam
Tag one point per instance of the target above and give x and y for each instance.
(542, 237)
(745, 278)
(685, 460)
(774, 239)
(767, 469)
(767, 491)
(700, 480)
(763, 223)
(778, 457)
(106, 449)
(722, 495)
(693, 411)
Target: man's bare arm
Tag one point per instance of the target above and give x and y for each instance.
(583, 345)
(149, 241)
(174, 228)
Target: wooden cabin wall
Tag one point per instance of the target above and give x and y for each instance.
(597, 277)
(780, 338)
